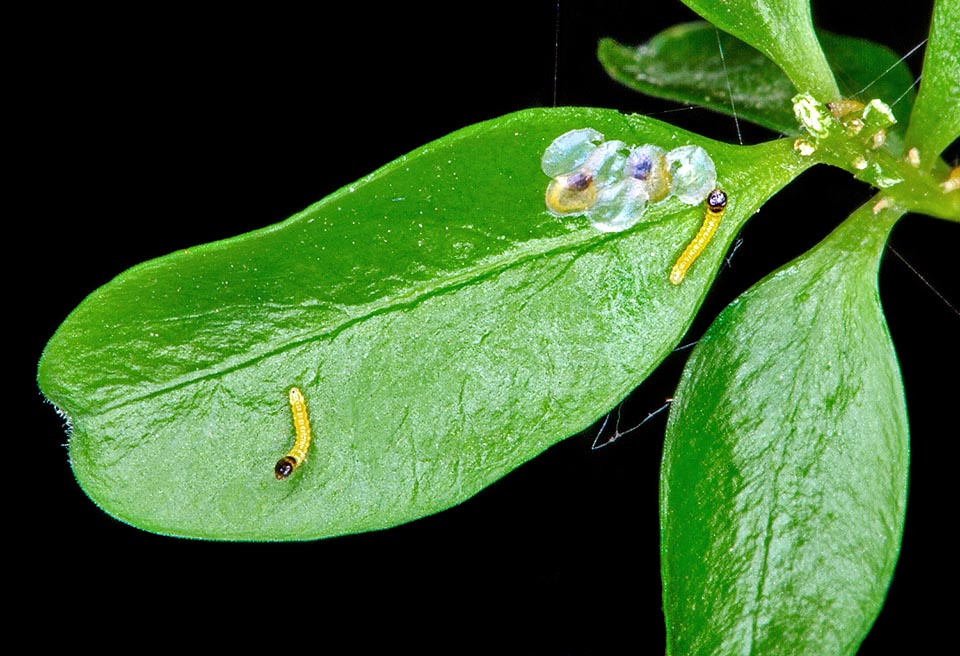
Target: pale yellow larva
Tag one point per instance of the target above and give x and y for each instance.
(301, 424)
(716, 204)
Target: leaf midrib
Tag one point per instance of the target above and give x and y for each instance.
(580, 242)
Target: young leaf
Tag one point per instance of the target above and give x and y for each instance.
(783, 31)
(443, 326)
(935, 122)
(683, 63)
(784, 477)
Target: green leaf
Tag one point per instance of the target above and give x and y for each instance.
(444, 327)
(935, 122)
(783, 31)
(784, 477)
(683, 63)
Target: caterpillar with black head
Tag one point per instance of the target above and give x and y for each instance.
(716, 205)
(301, 424)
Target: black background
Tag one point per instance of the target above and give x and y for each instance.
(154, 130)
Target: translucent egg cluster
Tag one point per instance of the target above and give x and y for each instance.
(612, 183)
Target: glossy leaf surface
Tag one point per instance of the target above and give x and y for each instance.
(683, 63)
(443, 326)
(783, 31)
(935, 123)
(784, 477)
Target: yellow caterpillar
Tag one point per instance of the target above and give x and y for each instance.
(716, 204)
(301, 423)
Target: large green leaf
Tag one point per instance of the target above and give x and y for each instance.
(783, 31)
(784, 476)
(935, 122)
(683, 63)
(443, 326)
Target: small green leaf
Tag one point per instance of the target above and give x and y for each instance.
(783, 31)
(443, 326)
(683, 63)
(935, 122)
(783, 486)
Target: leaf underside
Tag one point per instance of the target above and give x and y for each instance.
(683, 63)
(783, 31)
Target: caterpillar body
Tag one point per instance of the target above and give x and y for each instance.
(301, 424)
(716, 204)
